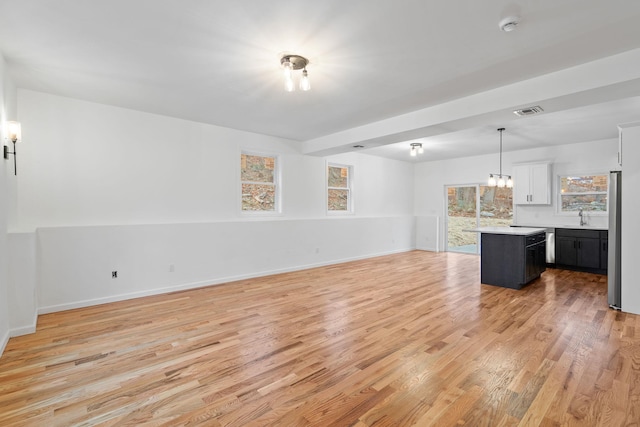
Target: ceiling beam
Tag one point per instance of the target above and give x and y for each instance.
(603, 80)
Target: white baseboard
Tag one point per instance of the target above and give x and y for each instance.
(25, 330)
(200, 284)
(428, 249)
(3, 342)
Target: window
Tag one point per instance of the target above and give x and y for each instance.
(339, 188)
(586, 192)
(496, 206)
(259, 177)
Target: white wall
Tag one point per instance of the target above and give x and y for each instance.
(431, 178)
(7, 190)
(76, 262)
(630, 292)
(90, 164)
(22, 293)
(103, 188)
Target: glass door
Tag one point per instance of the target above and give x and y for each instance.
(496, 206)
(462, 213)
(472, 206)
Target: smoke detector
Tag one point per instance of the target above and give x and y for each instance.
(509, 23)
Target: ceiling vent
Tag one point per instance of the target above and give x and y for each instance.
(529, 111)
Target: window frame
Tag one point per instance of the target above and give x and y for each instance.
(560, 194)
(277, 184)
(350, 205)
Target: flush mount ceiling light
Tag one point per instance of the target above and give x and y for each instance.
(500, 180)
(292, 63)
(509, 23)
(416, 148)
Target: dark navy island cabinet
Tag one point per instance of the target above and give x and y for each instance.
(512, 261)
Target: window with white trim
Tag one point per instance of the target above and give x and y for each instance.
(259, 182)
(339, 197)
(586, 192)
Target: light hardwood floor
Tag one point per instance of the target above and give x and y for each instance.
(406, 339)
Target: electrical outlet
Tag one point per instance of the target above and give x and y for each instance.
(114, 274)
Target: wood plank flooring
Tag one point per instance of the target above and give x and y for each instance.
(406, 339)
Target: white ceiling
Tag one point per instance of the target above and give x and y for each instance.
(589, 123)
(217, 62)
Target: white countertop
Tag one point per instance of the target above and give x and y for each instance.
(514, 231)
(573, 227)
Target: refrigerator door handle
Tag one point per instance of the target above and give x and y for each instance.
(614, 284)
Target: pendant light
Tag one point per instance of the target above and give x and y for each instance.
(499, 180)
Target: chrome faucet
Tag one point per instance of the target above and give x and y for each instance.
(583, 219)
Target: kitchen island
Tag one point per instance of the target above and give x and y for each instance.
(511, 257)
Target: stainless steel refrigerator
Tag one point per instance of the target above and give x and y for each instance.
(613, 264)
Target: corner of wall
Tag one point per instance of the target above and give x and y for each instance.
(3, 342)
(8, 106)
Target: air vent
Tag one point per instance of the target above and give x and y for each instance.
(529, 111)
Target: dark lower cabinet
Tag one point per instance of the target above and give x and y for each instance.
(535, 260)
(578, 249)
(511, 261)
(566, 250)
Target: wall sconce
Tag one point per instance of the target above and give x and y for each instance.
(14, 135)
(295, 62)
(416, 148)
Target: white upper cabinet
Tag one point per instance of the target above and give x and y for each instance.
(532, 184)
(631, 128)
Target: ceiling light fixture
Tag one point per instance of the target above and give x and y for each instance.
(499, 180)
(291, 63)
(416, 148)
